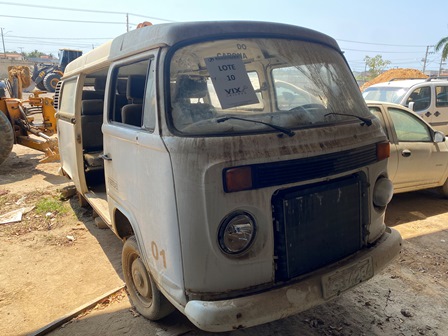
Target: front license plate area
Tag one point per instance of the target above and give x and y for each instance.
(347, 277)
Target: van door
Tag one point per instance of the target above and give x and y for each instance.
(69, 133)
(440, 111)
(121, 132)
(139, 178)
(431, 103)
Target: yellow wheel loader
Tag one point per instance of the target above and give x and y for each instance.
(29, 122)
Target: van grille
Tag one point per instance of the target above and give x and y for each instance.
(291, 171)
(57, 93)
(318, 224)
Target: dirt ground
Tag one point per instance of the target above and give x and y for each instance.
(56, 260)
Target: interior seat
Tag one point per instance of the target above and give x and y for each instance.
(187, 107)
(131, 113)
(92, 136)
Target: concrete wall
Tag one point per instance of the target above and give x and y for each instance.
(5, 63)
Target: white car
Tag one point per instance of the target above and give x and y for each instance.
(426, 97)
(419, 154)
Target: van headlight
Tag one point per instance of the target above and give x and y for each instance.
(236, 232)
(382, 192)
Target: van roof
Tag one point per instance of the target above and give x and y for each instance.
(169, 34)
(406, 83)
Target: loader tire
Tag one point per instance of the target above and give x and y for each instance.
(6, 137)
(41, 86)
(51, 80)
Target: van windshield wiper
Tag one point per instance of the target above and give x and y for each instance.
(278, 128)
(366, 121)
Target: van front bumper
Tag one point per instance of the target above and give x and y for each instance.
(321, 286)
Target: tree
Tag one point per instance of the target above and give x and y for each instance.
(35, 54)
(443, 45)
(376, 65)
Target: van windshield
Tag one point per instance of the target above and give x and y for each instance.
(239, 86)
(385, 94)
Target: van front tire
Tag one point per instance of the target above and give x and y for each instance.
(145, 295)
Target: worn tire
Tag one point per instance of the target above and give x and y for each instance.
(41, 86)
(6, 137)
(50, 81)
(145, 296)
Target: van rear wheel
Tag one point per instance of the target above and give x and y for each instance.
(145, 295)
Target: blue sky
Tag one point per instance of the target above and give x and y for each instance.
(398, 30)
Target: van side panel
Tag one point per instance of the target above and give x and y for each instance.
(141, 181)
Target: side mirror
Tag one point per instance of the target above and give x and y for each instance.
(439, 136)
(411, 105)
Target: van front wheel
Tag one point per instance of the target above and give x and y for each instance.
(145, 295)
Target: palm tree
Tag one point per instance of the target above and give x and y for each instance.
(443, 45)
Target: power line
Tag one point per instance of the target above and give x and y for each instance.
(62, 20)
(62, 38)
(382, 44)
(83, 10)
(383, 52)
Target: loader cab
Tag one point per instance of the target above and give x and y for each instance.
(66, 56)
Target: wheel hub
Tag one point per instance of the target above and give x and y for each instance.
(140, 279)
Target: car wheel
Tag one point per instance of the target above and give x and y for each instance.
(145, 295)
(444, 189)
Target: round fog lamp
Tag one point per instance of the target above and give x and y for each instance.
(382, 192)
(236, 233)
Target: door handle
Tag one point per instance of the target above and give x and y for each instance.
(406, 153)
(105, 157)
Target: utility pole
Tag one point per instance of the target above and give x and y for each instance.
(127, 22)
(424, 61)
(3, 41)
(426, 57)
(440, 66)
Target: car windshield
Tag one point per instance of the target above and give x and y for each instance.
(239, 86)
(386, 94)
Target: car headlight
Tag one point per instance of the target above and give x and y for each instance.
(382, 192)
(236, 232)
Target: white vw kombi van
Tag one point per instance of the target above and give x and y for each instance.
(236, 160)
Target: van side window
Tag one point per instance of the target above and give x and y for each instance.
(127, 95)
(442, 96)
(421, 98)
(149, 111)
(67, 95)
